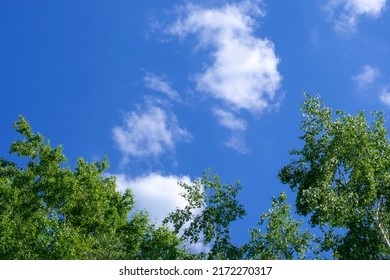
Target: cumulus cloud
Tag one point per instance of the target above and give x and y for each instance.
(346, 13)
(229, 120)
(160, 84)
(149, 132)
(243, 72)
(157, 194)
(366, 76)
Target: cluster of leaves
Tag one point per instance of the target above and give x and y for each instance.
(48, 211)
(340, 176)
(342, 180)
(213, 207)
(283, 238)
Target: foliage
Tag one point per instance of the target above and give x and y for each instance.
(48, 211)
(212, 207)
(342, 180)
(340, 176)
(283, 239)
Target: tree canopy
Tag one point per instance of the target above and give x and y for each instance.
(342, 180)
(49, 211)
(340, 176)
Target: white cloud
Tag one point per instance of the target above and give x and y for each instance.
(229, 120)
(161, 85)
(157, 194)
(385, 97)
(243, 72)
(237, 143)
(366, 76)
(237, 126)
(150, 132)
(345, 13)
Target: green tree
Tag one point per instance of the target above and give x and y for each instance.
(206, 220)
(213, 206)
(48, 211)
(342, 180)
(282, 238)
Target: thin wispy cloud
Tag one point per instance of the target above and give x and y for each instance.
(237, 143)
(243, 70)
(384, 97)
(366, 77)
(237, 126)
(229, 120)
(345, 14)
(160, 84)
(150, 131)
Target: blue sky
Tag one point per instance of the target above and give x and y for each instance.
(167, 89)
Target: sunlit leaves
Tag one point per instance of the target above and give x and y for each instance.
(49, 211)
(282, 238)
(212, 207)
(341, 176)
